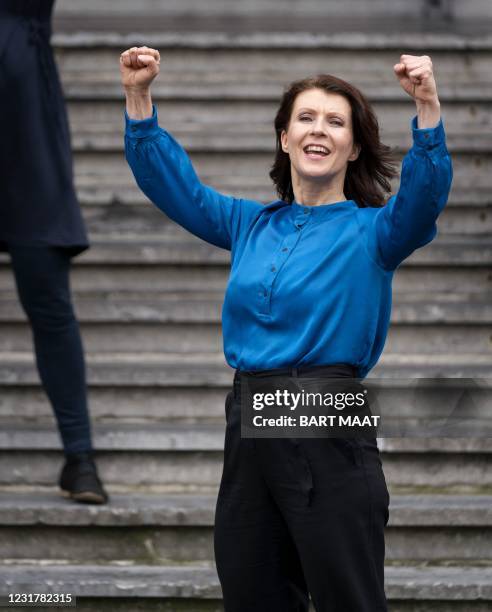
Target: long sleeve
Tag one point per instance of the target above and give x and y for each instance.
(408, 220)
(164, 172)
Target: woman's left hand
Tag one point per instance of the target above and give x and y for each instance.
(416, 77)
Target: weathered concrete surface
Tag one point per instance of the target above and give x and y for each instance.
(194, 510)
(432, 583)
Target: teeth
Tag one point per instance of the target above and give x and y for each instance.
(316, 149)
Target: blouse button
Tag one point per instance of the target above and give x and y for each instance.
(273, 268)
(285, 250)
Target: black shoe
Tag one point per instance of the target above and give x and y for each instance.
(79, 480)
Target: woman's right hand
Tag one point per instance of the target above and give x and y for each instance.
(139, 66)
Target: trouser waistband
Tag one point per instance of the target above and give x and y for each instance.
(337, 370)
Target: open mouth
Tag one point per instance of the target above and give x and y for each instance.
(316, 151)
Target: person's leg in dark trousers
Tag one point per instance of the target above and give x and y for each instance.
(257, 564)
(42, 279)
(322, 501)
(336, 516)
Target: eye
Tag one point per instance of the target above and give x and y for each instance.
(304, 118)
(336, 122)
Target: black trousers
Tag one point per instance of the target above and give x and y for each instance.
(300, 517)
(42, 279)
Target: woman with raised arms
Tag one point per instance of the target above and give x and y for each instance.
(309, 294)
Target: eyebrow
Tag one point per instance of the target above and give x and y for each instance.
(311, 110)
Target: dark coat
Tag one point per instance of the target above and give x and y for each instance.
(38, 205)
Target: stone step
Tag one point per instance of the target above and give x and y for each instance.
(157, 604)
(121, 404)
(184, 249)
(93, 604)
(177, 437)
(130, 472)
(153, 328)
(447, 264)
(88, 61)
(398, 9)
(187, 510)
(246, 126)
(102, 276)
(105, 178)
(176, 458)
(106, 218)
(204, 307)
(172, 529)
(175, 322)
(461, 587)
(210, 370)
(114, 203)
(27, 405)
(417, 401)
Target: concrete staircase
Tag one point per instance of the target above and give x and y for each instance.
(148, 298)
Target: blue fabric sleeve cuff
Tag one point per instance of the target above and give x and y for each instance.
(428, 138)
(142, 128)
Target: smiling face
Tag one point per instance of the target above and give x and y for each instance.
(319, 138)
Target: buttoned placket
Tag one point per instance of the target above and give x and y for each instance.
(288, 244)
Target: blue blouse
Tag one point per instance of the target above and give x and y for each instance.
(309, 285)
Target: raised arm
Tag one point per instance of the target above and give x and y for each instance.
(408, 221)
(162, 168)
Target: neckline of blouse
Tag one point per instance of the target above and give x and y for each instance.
(323, 208)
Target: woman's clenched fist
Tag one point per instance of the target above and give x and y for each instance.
(416, 77)
(139, 66)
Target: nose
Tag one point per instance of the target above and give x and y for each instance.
(317, 126)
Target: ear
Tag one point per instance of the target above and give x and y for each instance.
(355, 152)
(284, 141)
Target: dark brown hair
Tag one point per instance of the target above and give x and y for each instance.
(367, 180)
